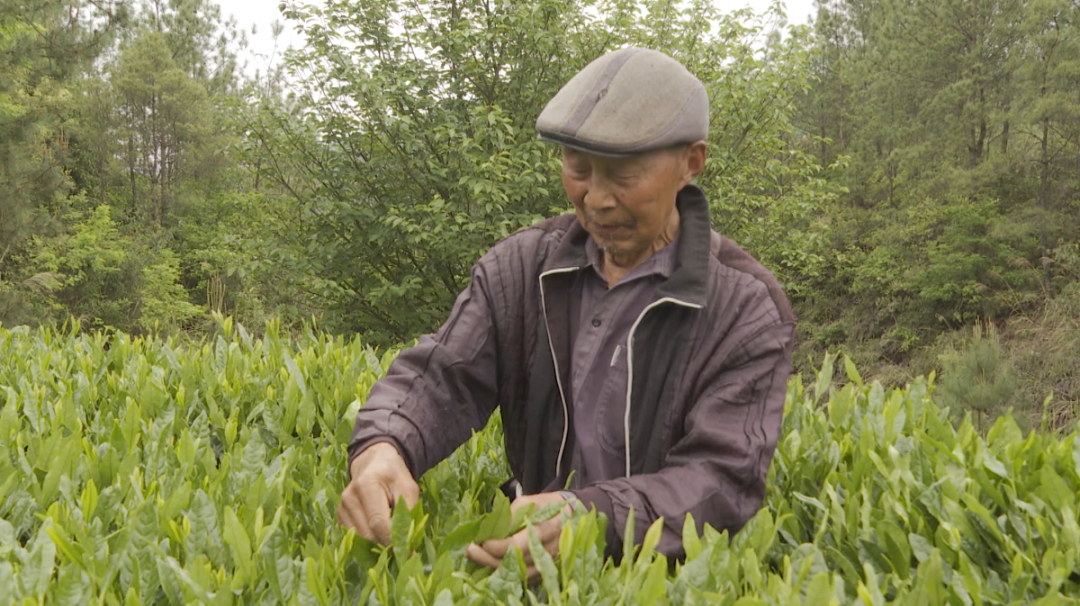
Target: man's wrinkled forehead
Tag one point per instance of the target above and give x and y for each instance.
(625, 103)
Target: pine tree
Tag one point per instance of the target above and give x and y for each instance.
(165, 121)
(43, 47)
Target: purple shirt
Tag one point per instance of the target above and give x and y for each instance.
(600, 326)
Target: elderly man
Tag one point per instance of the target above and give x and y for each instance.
(632, 350)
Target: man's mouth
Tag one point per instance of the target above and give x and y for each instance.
(608, 227)
(608, 230)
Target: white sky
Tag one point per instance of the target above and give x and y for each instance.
(261, 13)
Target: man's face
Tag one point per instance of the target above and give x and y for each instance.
(627, 204)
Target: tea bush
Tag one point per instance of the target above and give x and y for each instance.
(146, 471)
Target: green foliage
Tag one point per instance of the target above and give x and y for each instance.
(93, 252)
(107, 278)
(960, 128)
(200, 40)
(405, 149)
(134, 136)
(165, 126)
(914, 271)
(978, 378)
(938, 262)
(164, 301)
(146, 471)
(90, 261)
(42, 49)
(880, 482)
(416, 150)
(232, 253)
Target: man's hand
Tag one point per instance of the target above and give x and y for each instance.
(379, 477)
(490, 553)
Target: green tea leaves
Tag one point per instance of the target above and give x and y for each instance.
(236, 537)
(209, 473)
(460, 537)
(691, 540)
(496, 524)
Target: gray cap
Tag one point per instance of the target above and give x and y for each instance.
(627, 102)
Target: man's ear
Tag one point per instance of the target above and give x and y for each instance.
(694, 160)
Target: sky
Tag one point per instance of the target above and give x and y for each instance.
(262, 13)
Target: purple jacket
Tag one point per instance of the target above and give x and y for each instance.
(708, 364)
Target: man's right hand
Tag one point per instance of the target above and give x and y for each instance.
(379, 477)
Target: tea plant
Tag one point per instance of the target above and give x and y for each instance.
(144, 471)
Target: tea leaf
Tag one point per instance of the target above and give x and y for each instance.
(460, 537)
(549, 574)
(400, 523)
(72, 587)
(852, 372)
(237, 539)
(496, 524)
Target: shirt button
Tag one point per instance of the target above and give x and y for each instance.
(596, 322)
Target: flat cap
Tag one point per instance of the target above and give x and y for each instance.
(627, 102)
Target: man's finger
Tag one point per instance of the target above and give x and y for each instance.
(479, 555)
(493, 551)
(351, 514)
(549, 531)
(375, 511)
(498, 548)
(344, 513)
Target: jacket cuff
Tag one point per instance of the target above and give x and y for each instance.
(592, 497)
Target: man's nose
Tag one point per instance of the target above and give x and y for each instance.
(599, 195)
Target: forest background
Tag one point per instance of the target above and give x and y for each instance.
(909, 169)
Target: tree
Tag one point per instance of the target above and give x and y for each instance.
(200, 41)
(978, 377)
(153, 134)
(416, 150)
(952, 201)
(43, 46)
(1046, 112)
(166, 122)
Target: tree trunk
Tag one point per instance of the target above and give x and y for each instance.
(824, 149)
(1044, 206)
(840, 93)
(131, 175)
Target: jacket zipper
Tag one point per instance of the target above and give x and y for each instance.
(630, 365)
(555, 363)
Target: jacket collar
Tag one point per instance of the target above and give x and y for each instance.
(688, 282)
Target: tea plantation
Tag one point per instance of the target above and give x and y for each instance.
(143, 471)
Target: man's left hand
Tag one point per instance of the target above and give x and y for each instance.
(490, 553)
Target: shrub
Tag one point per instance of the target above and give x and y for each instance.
(979, 377)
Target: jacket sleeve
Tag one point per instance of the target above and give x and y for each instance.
(716, 471)
(436, 393)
